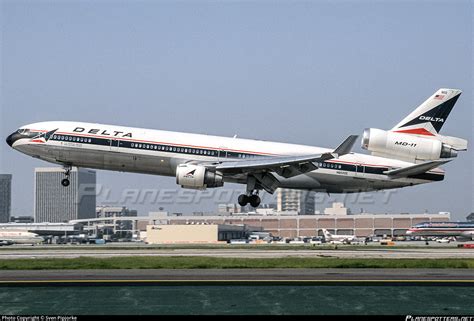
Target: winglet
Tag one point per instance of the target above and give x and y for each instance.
(345, 147)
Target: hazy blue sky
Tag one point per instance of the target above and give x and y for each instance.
(306, 72)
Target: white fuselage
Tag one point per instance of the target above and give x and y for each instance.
(19, 237)
(340, 238)
(461, 230)
(157, 152)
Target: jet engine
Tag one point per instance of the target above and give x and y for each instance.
(405, 146)
(197, 177)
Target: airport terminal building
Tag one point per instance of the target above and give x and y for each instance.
(291, 226)
(200, 233)
(337, 220)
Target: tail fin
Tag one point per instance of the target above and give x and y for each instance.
(326, 233)
(431, 115)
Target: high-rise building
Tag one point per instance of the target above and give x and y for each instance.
(5, 197)
(55, 203)
(291, 200)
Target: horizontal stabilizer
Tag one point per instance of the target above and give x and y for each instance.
(415, 169)
(455, 142)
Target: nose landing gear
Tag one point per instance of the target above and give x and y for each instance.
(65, 182)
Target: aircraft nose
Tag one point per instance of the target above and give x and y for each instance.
(10, 140)
(13, 138)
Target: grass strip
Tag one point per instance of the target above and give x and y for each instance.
(192, 262)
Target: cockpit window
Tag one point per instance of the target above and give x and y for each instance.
(25, 132)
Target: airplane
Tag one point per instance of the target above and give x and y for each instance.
(9, 237)
(338, 239)
(462, 231)
(408, 154)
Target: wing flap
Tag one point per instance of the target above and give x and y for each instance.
(286, 166)
(414, 169)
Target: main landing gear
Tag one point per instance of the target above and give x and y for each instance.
(253, 199)
(65, 182)
(252, 194)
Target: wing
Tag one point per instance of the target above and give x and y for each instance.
(286, 166)
(415, 169)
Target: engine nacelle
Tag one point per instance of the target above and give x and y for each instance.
(405, 146)
(197, 177)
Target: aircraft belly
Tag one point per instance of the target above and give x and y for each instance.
(343, 182)
(302, 181)
(105, 159)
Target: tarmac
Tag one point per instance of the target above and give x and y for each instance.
(391, 253)
(250, 276)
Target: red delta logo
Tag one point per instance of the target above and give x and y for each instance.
(44, 137)
(190, 174)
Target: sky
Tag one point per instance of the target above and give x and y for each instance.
(306, 72)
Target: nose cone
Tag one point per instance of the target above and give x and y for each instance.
(10, 140)
(13, 138)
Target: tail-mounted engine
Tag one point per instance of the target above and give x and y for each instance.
(197, 177)
(405, 146)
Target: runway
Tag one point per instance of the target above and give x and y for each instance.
(392, 253)
(217, 276)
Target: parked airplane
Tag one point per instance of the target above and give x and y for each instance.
(406, 155)
(336, 238)
(463, 231)
(9, 237)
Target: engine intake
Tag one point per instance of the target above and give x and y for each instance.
(197, 177)
(405, 146)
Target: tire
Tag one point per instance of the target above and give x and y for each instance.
(65, 182)
(255, 200)
(243, 200)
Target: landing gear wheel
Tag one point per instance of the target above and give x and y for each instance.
(255, 200)
(65, 182)
(243, 200)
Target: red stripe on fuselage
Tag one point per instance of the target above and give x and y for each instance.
(416, 131)
(212, 148)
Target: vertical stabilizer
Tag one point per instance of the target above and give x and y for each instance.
(431, 115)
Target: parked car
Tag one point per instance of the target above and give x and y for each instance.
(238, 241)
